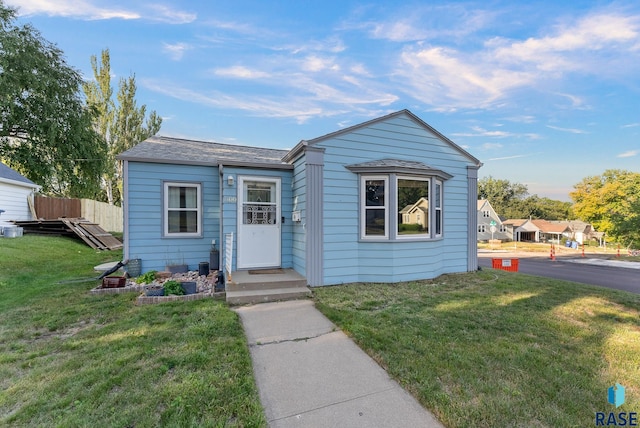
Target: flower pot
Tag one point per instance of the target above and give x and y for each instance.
(189, 287)
(113, 281)
(154, 292)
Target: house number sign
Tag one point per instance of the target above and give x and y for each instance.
(230, 199)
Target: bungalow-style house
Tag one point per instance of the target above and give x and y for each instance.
(537, 230)
(16, 192)
(488, 219)
(331, 208)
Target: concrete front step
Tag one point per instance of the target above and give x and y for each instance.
(245, 297)
(245, 281)
(265, 284)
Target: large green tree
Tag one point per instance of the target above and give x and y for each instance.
(121, 123)
(512, 200)
(45, 127)
(502, 194)
(611, 202)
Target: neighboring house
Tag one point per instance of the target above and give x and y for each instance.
(551, 231)
(538, 230)
(522, 230)
(414, 217)
(330, 208)
(15, 193)
(487, 218)
(582, 232)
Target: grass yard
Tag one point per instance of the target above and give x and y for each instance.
(497, 349)
(68, 358)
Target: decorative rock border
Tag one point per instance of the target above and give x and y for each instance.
(118, 290)
(205, 285)
(150, 300)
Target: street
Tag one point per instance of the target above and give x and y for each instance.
(616, 277)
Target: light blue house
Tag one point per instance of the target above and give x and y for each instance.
(331, 208)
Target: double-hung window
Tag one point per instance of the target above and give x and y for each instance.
(374, 202)
(182, 209)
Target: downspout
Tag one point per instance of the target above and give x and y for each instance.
(125, 209)
(221, 232)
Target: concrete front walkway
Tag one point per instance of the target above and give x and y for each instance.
(310, 374)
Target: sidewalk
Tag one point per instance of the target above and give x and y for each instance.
(310, 374)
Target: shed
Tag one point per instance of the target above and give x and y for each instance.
(16, 193)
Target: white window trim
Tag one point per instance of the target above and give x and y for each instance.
(363, 208)
(417, 236)
(165, 209)
(391, 205)
(437, 183)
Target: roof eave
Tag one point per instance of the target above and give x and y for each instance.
(262, 165)
(20, 183)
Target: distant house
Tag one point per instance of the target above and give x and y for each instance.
(583, 232)
(487, 219)
(338, 208)
(16, 191)
(552, 231)
(538, 230)
(522, 230)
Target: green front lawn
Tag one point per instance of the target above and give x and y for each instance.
(68, 358)
(495, 348)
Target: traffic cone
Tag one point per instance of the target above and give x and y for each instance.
(583, 250)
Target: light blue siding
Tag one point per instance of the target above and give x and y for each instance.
(346, 257)
(144, 216)
(298, 228)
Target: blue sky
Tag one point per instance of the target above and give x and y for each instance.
(544, 93)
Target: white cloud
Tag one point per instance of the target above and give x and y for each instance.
(452, 77)
(509, 157)
(426, 22)
(570, 130)
(176, 50)
(240, 72)
(629, 154)
(171, 16)
(92, 10)
(315, 63)
(317, 99)
(71, 8)
(630, 125)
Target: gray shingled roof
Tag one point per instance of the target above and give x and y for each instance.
(177, 150)
(10, 174)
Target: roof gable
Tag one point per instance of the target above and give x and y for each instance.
(304, 143)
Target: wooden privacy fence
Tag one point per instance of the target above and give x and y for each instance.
(109, 217)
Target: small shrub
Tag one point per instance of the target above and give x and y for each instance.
(147, 278)
(173, 287)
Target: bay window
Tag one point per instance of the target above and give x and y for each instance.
(400, 200)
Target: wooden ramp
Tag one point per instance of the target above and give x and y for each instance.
(91, 233)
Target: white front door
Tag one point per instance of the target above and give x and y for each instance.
(258, 222)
